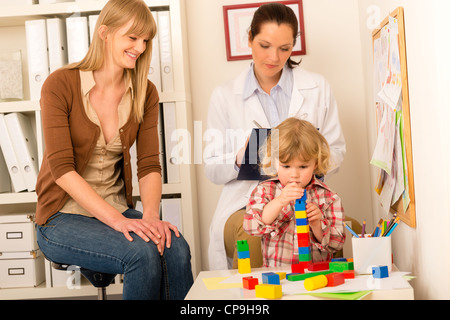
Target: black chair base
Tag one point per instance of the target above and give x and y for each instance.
(99, 280)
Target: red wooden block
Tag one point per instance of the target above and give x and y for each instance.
(303, 236)
(349, 274)
(318, 266)
(249, 282)
(298, 268)
(335, 279)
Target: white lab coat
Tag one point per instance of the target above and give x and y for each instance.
(312, 100)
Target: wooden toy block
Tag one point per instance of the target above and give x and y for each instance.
(318, 266)
(243, 254)
(242, 245)
(300, 277)
(303, 229)
(249, 282)
(303, 243)
(304, 258)
(335, 279)
(303, 236)
(304, 250)
(270, 278)
(297, 268)
(380, 272)
(300, 214)
(268, 291)
(341, 266)
(349, 274)
(244, 266)
(350, 260)
(282, 275)
(301, 222)
(339, 260)
(317, 282)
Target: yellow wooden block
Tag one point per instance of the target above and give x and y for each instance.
(300, 215)
(315, 283)
(303, 229)
(282, 275)
(268, 291)
(244, 266)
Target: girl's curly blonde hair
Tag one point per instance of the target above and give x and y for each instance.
(295, 138)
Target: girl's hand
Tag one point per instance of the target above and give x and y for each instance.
(290, 192)
(314, 214)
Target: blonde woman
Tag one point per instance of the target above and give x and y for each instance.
(295, 154)
(92, 113)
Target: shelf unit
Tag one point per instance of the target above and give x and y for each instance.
(12, 36)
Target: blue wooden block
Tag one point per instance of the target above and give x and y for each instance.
(339, 260)
(304, 250)
(300, 206)
(243, 254)
(270, 278)
(380, 272)
(301, 222)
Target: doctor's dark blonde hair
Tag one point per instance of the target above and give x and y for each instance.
(114, 15)
(279, 14)
(295, 139)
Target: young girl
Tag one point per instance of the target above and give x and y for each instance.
(296, 154)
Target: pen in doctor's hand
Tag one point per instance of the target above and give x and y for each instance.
(257, 124)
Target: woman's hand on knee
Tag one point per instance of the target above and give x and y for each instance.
(164, 228)
(141, 228)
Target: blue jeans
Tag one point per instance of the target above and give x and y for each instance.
(89, 243)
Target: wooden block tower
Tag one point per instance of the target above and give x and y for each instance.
(302, 225)
(243, 256)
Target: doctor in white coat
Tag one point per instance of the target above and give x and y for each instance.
(271, 90)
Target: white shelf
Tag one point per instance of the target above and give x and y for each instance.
(16, 15)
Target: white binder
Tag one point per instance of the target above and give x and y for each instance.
(18, 181)
(154, 73)
(57, 43)
(77, 38)
(5, 181)
(24, 143)
(38, 70)
(171, 212)
(165, 46)
(92, 22)
(170, 127)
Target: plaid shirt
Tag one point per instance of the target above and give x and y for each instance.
(279, 240)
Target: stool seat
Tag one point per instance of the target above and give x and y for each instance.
(99, 280)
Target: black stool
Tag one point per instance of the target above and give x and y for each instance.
(99, 280)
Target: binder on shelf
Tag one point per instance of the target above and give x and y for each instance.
(154, 72)
(25, 147)
(170, 127)
(77, 38)
(165, 45)
(92, 22)
(38, 69)
(57, 43)
(171, 212)
(5, 181)
(17, 179)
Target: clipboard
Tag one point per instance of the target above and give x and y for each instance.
(250, 167)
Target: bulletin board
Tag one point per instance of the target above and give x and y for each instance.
(393, 150)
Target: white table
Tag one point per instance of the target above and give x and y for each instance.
(199, 290)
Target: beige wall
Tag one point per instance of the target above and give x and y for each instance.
(330, 53)
(423, 250)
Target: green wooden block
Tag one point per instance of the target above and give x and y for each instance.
(304, 257)
(341, 266)
(242, 245)
(303, 276)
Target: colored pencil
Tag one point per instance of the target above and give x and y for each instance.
(351, 231)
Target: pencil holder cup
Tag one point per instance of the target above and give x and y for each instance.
(369, 252)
